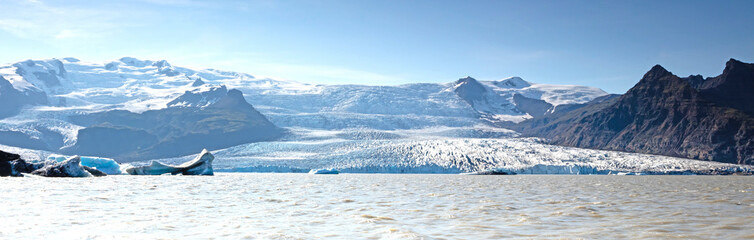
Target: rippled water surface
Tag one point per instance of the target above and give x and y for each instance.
(392, 206)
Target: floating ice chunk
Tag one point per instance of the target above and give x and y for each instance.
(324, 171)
(201, 165)
(494, 171)
(629, 173)
(106, 165)
(71, 167)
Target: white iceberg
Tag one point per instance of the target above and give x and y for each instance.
(201, 165)
(324, 171)
(71, 167)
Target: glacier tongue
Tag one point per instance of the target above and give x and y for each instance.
(453, 150)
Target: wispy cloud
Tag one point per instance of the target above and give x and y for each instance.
(34, 19)
(326, 74)
(308, 73)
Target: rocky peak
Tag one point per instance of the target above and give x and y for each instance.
(658, 84)
(656, 72)
(696, 81)
(734, 88)
(200, 97)
(197, 82)
(469, 89)
(232, 100)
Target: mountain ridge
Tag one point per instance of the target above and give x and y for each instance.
(665, 114)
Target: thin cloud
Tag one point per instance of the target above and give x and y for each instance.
(330, 74)
(40, 21)
(309, 73)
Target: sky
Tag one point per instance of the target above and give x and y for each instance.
(605, 44)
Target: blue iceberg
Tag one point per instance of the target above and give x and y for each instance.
(324, 171)
(105, 165)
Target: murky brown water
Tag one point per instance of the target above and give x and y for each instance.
(378, 206)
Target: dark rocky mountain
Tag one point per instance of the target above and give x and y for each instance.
(178, 130)
(707, 119)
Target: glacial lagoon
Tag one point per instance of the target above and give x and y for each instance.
(378, 206)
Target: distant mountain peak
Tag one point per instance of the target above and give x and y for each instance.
(469, 89)
(162, 64)
(466, 79)
(512, 82)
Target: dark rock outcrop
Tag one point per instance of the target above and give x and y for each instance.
(665, 114)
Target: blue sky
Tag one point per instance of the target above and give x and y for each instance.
(606, 44)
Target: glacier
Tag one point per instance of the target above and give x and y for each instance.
(433, 151)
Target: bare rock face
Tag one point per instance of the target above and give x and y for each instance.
(201, 165)
(667, 115)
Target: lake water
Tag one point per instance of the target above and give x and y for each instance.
(377, 206)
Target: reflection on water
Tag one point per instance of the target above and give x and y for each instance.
(248, 205)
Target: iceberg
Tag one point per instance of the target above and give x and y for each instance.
(201, 165)
(324, 171)
(71, 167)
(494, 171)
(105, 165)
